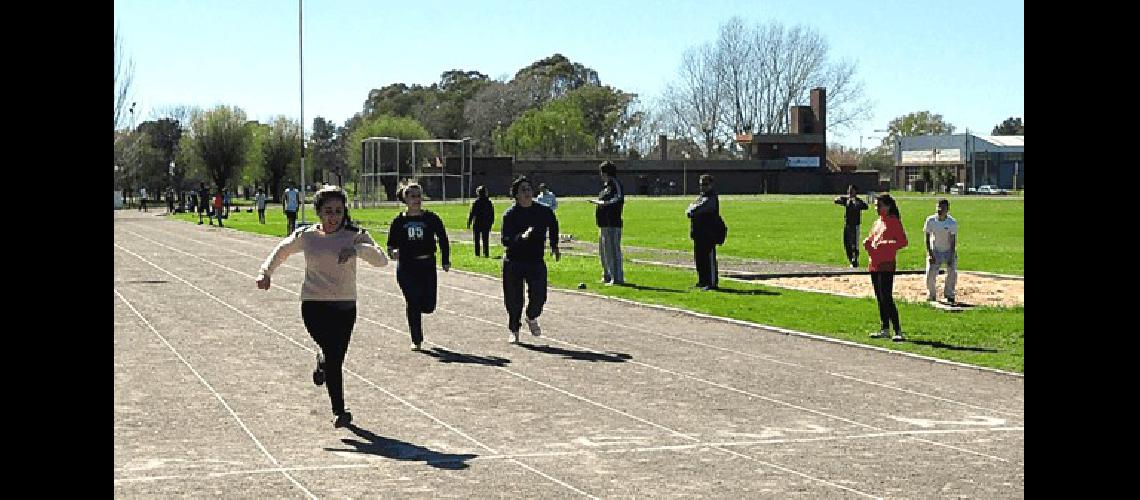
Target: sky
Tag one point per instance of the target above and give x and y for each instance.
(962, 59)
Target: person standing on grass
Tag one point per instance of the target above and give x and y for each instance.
(204, 204)
(218, 207)
(412, 239)
(607, 215)
(292, 201)
(483, 214)
(940, 233)
(261, 205)
(524, 231)
(546, 197)
(853, 206)
(887, 237)
(704, 216)
(328, 295)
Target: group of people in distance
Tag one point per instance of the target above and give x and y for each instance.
(332, 246)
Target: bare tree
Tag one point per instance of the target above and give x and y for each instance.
(124, 80)
(748, 79)
(695, 100)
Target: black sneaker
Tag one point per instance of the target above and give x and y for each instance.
(342, 420)
(319, 371)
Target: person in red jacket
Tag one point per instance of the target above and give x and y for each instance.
(218, 204)
(885, 240)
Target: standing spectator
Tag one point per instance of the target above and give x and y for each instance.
(142, 199)
(851, 218)
(328, 295)
(204, 204)
(227, 200)
(292, 200)
(169, 200)
(941, 238)
(524, 232)
(546, 197)
(607, 215)
(483, 214)
(704, 218)
(411, 243)
(218, 202)
(887, 237)
(261, 206)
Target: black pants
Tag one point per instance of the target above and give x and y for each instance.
(704, 256)
(851, 243)
(515, 273)
(485, 235)
(884, 283)
(330, 325)
(417, 280)
(291, 216)
(261, 215)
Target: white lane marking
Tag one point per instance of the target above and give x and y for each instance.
(313, 351)
(219, 397)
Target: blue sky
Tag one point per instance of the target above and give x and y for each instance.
(963, 59)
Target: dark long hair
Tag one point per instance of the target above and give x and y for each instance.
(330, 192)
(892, 207)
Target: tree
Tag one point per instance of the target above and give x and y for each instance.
(1011, 126)
(164, 135)
(918, 123)
(747, 80)
(603, 109)
(220, 139)
(555, 130)
(281, 150)
(124, 81)
(253, 165)
(695, 101)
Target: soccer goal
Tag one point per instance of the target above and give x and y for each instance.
(441, 166)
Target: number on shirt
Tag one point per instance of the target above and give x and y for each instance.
(415, 232)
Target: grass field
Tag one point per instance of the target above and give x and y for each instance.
(791, 228)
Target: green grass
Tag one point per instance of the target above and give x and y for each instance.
(982, 336)
(802, 228)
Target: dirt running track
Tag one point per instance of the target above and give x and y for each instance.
(213, 396)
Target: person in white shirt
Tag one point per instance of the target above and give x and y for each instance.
(261, 206)
(292, 200)
(546, 197)
(328, 294)
(142, 199)
(941, 231)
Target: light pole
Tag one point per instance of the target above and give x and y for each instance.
(301, 60)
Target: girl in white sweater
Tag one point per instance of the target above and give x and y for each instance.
(328, 295)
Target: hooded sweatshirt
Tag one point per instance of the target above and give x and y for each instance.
(887, 237)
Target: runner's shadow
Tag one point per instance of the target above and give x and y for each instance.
(400, 450)
(446, 356)
(616, 357)
(652, 288)
(942, 345)
(744, 292)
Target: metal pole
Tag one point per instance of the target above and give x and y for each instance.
(301, 59)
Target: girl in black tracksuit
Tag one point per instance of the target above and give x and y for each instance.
(411, 242)
(483, 213)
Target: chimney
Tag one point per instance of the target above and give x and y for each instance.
(819, 109)
(663, 144)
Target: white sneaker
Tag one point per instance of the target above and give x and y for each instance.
(880, 334)
(898, 337)
(514, 338)
(534, 328)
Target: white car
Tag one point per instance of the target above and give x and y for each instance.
(989, 189)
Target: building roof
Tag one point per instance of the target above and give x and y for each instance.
(1004, 140)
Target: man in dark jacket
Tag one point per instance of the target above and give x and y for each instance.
(704, 214)
(483, 214)
(851, 216)
(608, 217)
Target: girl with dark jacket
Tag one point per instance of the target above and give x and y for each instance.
(411, 243)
